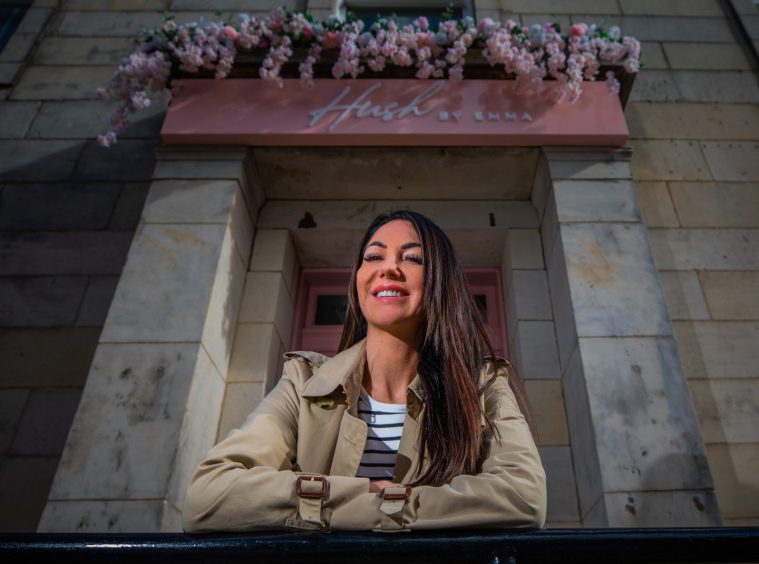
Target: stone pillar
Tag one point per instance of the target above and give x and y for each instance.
(265, 324)
(151, 405)
(533, 350)
(638, 454)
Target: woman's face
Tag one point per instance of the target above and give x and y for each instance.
(390, 280)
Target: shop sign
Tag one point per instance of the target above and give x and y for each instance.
(403, 112)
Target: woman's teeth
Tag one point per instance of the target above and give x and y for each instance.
(388, 294)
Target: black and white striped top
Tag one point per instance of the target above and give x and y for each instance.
(385, 421)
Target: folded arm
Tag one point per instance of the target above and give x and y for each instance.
(248, 482)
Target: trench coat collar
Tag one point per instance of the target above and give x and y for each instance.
(345, 371)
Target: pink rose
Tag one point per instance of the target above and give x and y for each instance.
(308, 33)
(423, 23)
(229, 32)
(331, 40)
(578, 30)
(485, 24)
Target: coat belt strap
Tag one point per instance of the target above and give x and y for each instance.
(393, 502)
(311, 490)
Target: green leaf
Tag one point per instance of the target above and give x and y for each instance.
(447, 14)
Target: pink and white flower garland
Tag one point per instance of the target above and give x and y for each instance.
(529, 54)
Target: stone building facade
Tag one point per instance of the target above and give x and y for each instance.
(147, 291)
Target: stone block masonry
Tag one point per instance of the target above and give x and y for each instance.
(69, 210)
(619, 362)
(702, 212)
(160, 370)
(67, 216)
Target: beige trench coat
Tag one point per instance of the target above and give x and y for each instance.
(308, 425)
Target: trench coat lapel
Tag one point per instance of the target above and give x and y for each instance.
(408, 450)
(339, 378)
(351, 439)
(344, 370)
(344, 373)
(350, 446)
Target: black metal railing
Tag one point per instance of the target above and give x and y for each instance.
(609, 546)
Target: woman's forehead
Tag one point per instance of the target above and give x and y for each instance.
(397, 231)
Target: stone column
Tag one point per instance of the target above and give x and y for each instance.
(152, 401)
(534, 352)
(638, 454)
(264, 326)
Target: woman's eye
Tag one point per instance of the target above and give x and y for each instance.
(414, 258)
(372, 258)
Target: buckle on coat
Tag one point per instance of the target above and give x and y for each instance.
(393, 493)
(305, 486)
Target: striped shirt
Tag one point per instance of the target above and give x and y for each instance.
(385, 421)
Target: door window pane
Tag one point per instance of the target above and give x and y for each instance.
(482, 303)
(330, 310)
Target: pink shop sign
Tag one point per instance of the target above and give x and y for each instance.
(396, 112)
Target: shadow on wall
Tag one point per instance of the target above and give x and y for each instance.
(68, 210)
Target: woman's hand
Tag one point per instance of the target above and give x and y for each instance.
(376, 486)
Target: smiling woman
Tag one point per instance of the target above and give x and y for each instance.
(414, 424)
(390, 283)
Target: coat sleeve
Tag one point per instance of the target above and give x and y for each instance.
(247, 481)
(510, 491)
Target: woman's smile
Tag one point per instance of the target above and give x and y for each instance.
(390, 293)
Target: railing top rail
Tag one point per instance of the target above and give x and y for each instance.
(734, 544)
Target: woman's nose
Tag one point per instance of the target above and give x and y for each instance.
(391, 268)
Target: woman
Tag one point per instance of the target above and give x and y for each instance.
(410, 426)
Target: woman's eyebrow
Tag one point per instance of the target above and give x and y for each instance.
(405, 246)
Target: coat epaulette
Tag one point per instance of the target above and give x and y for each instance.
(313, 358)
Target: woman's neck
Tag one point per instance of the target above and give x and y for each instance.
(391, 365)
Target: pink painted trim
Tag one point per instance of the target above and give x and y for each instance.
(488, 281)
(467, 113)
(310, 284)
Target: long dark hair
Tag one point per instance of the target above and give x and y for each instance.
(454, 348)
